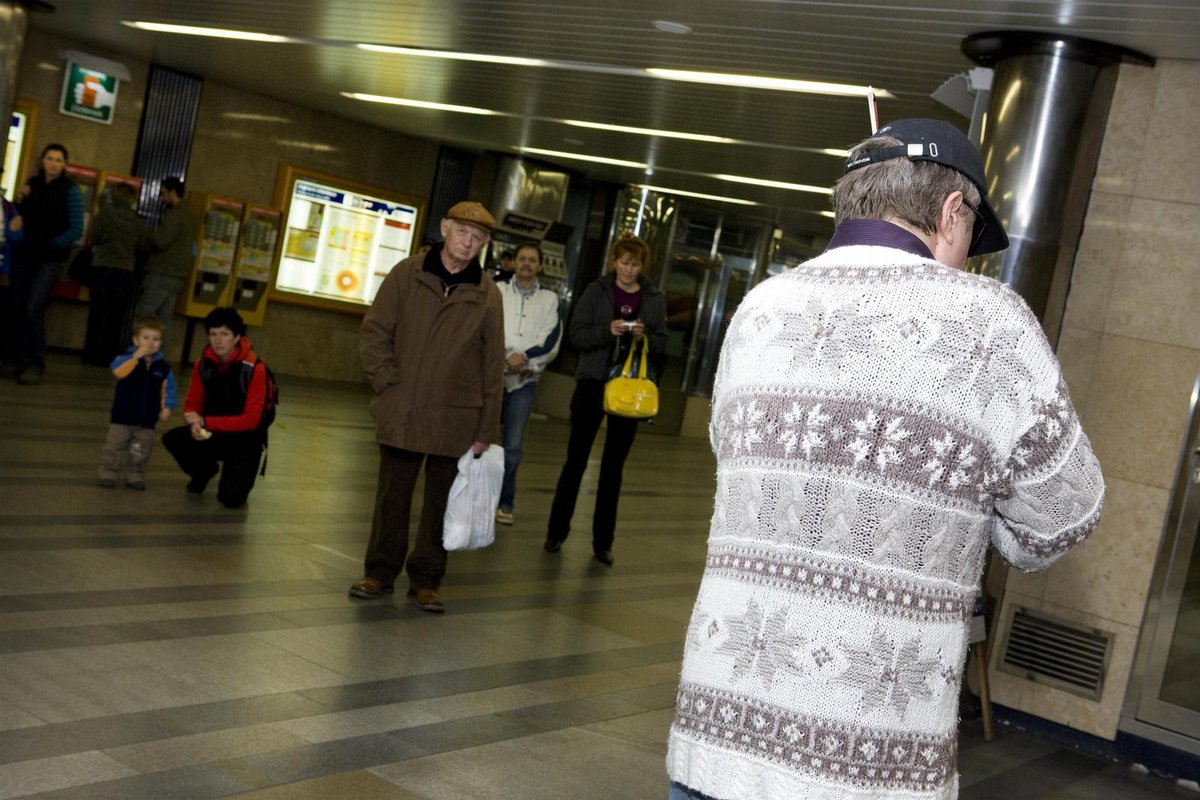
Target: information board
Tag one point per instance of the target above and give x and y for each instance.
(341, 239)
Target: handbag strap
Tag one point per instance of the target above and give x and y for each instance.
(627, 370)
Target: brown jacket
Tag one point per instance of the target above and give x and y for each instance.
(435, 362)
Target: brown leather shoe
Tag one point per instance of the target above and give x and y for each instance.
(427, 600)
(369, 588)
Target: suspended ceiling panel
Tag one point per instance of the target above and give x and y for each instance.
(601, 51)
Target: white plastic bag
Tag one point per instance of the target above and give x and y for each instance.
(470, 521)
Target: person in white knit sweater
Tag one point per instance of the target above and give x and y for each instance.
(880, 417)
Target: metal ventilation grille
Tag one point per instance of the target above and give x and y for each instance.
(1057, 653)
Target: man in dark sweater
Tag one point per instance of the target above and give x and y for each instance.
(172, 249)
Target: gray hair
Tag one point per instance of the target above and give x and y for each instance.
(911, 191)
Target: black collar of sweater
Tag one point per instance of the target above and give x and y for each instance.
(471, 275)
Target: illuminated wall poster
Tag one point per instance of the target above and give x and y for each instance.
(341, 240)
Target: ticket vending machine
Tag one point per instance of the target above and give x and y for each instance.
(218, 220)
(252, 264)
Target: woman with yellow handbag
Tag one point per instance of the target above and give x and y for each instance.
(620, 321)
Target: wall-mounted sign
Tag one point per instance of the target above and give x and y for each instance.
(89, 94)
(340, 239)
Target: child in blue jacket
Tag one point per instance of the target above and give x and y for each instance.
(145, 395)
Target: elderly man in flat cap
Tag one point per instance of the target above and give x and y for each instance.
(432, 346)
(880, 418)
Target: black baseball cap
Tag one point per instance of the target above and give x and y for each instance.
(939, 141)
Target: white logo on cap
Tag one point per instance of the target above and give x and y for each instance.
(916, 150)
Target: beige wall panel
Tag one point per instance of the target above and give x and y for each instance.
(1156, 284)
(1125, 135)
(1109, 574)
(1097, 261)
(1138, 408)
(1078, 350)
(1169, 167)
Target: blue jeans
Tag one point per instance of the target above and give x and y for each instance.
(514, 415)
(677, 791)
(31, 289)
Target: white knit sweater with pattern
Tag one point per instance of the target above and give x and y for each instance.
(879, 419)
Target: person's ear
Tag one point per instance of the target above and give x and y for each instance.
(952, 209)
(948, 231)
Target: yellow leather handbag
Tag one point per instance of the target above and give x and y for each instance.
(629, 396)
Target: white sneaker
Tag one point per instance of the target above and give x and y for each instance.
(504, 517)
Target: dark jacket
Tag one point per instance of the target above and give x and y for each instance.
(144, 392)
(590, 333)
(53, 215)
(115, 234)
(435, 360)
(219, 394)
(172, 244)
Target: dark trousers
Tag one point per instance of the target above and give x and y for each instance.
(239, 452)
(587, 412)
(31, 294)
(386, 551)
(108, 314)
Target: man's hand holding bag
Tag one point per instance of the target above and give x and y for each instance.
(470, 521)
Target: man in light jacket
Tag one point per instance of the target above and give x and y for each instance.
(532, 333)
(432, 346)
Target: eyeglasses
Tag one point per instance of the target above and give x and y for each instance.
(475, 235)
(979, 227)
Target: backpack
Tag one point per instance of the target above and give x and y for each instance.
(270, 401)
(272, 397)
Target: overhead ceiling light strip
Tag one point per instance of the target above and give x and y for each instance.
(698, 195)
(453, 55)
(616, 162)
(578, 123)
(792, 187)
(710, 78)
(761, 82)
(216, 33)
(402, 101)
(695, 137)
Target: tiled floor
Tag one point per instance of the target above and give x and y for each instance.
(156, 645)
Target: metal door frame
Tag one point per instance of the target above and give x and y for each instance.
(1144, 714)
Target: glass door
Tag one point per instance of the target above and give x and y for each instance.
(1168, 695)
